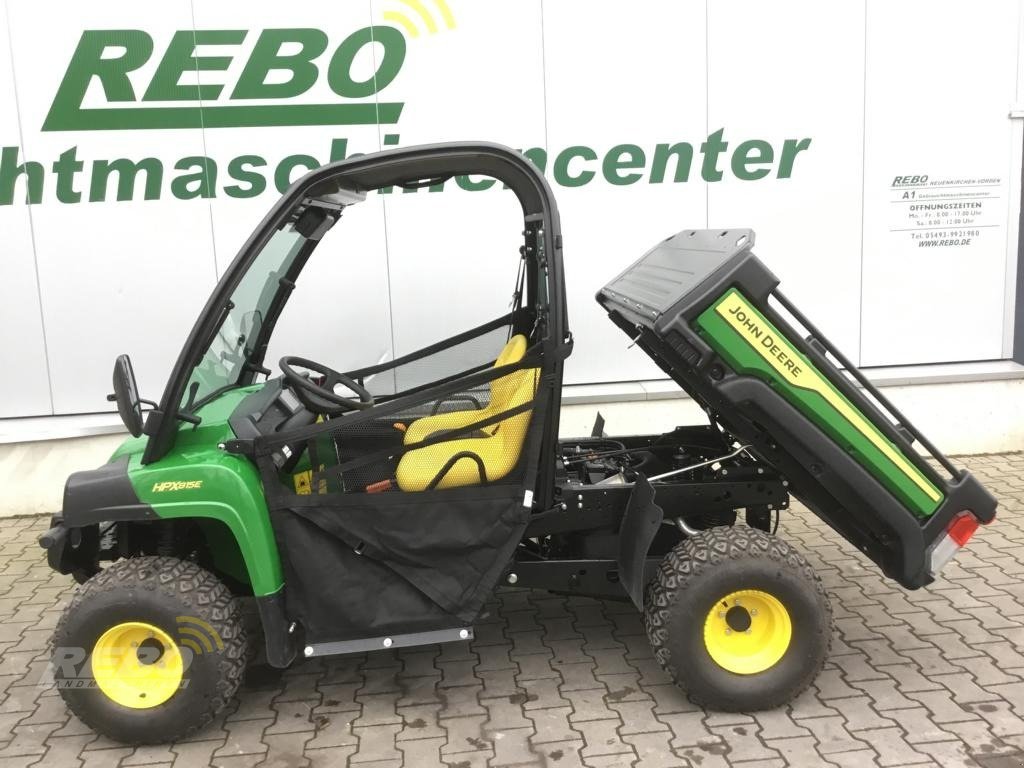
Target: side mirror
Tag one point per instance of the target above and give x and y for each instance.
(126, 395)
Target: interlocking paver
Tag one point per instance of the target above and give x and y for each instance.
(65, 750)
(333, 731)
(920, 727)
(562, 754)
(941, 706)
(860, 714)
(422, 752)
(505, 713)
(884, 694)
(602, 738)
(856, 667)
(420, 722)
(832, 735)
(654, 750)
(964, 689)
(292, 717)
(745, 743)
(552, 725)
(245, 737)
(376, 742)
(892, 747)
(194, 754)
(286, 750)
(28, 740)
(513, 748)
(466, 734)
(541, 694)
(637, 716)
(591, 704)
(1000, 717)
(147, 754)
(919, 678)
(104, 758)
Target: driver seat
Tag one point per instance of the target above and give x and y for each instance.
(486, 456)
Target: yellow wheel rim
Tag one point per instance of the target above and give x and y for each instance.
(137, 665)
(747, 632)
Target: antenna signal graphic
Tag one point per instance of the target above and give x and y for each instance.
(197, 635)
(402, 19)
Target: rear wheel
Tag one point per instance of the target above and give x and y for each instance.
(738, 619)
(149, 650)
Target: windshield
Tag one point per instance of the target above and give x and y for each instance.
(232, 344)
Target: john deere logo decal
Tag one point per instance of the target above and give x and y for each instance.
(795, 370)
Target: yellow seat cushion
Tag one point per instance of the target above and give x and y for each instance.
(423, 428)
(499, 452)
(500, 393)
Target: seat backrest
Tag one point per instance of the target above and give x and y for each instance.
(512, 431)
(499, 450)
(504, 388)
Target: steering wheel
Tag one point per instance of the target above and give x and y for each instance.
(321, 398)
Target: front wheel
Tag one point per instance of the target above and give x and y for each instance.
(149, 650)
(738, 619)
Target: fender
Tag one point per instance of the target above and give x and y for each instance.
(639, 525)
(215, 485)
(210, 485)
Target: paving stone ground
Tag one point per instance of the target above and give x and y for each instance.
(933, 677)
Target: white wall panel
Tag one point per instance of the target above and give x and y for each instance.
(880, 89)
(453, 254)
(451, 269)
(339, 313)
(126, 276)
(23, 346)
(635, 75)
(941, 78)
(235, 217)
(788, 71)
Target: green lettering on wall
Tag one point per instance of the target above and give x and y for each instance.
(266, 57)
(180, 58)
(127, 173)
(562, 173)
(239, 170)
(90, 60)
(200, 183)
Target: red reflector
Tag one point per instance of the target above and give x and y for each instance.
(962, 528)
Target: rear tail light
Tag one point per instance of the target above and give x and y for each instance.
(956, 536)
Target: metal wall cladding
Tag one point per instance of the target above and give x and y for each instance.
(791, 118)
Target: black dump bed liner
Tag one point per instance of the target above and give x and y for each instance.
(698, 304)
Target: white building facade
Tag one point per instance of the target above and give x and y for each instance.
(875, 148)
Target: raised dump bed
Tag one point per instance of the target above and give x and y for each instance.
(710, 314)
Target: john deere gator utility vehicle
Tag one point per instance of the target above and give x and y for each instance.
(380, 507)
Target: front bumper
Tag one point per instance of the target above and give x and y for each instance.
(70, 550)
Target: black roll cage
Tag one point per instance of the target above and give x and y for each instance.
(408, 167)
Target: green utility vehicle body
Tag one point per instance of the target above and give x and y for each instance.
(192, 482)
(573, 516)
